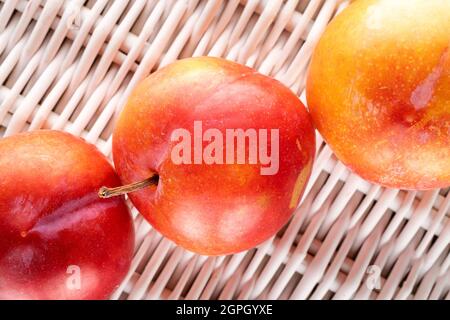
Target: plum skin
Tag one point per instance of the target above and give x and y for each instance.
(213, 209)
(378, 90)
(53, 225)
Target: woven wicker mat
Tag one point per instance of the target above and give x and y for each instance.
(71, 64)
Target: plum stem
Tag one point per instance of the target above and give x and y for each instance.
(106, 192)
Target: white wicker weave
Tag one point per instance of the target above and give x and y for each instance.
(71, 64)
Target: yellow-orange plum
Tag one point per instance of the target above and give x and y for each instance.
(378, 91)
